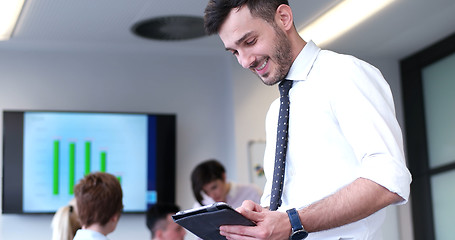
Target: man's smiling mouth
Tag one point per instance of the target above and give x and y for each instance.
(263, 65)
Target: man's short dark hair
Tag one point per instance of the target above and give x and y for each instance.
(217, 11)
(99, 197)
(205, 173)
(157, 213)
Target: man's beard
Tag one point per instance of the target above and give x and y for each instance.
(282, 57)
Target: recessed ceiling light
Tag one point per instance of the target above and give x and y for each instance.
(340, 19)
(171, 28)
(9, 13)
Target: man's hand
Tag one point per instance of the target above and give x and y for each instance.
(272, 225)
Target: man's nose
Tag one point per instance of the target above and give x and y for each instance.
(246, 60)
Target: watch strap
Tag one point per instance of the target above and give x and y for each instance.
(294, 219)
(298, 232)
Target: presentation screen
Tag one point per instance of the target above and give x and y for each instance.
(47, 153)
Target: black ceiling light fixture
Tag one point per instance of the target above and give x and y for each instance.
(171, 28)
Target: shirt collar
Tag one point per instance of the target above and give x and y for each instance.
(302, 65)
(89, 234)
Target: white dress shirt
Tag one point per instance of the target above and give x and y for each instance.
(342, 126)
(86, 234)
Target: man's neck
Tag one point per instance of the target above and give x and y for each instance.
(98, 228)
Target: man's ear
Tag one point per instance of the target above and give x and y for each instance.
(283, 17)
(159, 234)
(116, 217)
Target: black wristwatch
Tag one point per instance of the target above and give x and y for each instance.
(297, 229)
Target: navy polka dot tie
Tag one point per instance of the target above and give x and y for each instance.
(281, 145)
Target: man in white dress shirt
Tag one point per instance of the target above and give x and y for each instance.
(345, 160)
(160, 223)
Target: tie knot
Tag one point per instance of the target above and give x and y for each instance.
(285, 86)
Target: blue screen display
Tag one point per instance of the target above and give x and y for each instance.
(60, 148)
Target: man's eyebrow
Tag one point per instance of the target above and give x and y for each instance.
(245, 36)
(238, 42)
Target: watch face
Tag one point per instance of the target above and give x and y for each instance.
(299, 234)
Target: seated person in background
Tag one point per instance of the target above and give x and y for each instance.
(160, 223)
(65, 222)
(208, 181)
(99, 203)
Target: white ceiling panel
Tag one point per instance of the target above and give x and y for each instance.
(397, 31)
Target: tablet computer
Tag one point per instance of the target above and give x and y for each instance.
(205, 221)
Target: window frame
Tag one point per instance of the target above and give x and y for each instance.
(416, 139)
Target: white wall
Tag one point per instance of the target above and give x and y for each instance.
(197, 88)
(219, 107)
(252, 99)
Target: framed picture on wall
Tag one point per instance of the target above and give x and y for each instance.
(256, 150)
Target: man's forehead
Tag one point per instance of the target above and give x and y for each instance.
(233, 27)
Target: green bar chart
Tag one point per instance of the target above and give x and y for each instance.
(71, 172)
(119, 179)
(103, 156)
(72, 167)
(55, 167)
(88, 146)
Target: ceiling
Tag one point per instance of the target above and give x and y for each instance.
(402, 28)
